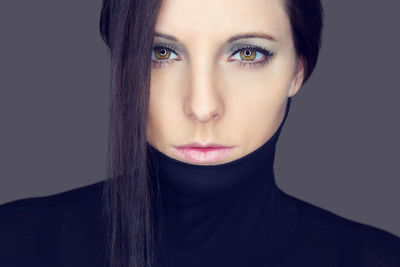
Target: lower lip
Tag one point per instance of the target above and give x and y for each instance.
(204, 154)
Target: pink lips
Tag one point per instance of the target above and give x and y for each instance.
(208, 153)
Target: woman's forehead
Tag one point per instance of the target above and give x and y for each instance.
(191, 20)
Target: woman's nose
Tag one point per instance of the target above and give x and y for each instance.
(203, 102)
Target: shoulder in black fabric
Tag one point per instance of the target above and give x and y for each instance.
(324, 238)
(77, 196)
(63, 229)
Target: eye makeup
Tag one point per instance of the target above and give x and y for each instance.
(266, 55)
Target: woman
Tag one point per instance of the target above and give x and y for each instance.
(197, 104)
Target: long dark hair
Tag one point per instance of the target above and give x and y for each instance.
(131, 199)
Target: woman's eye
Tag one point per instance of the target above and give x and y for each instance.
(252, 57)
(248, 54)
(162, 55)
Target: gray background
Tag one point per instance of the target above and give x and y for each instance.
(338, 149)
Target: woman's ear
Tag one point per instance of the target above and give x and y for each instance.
(298, 77)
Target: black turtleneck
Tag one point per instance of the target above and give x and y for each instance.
(231, 214)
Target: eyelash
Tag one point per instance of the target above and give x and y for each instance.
(268, 55)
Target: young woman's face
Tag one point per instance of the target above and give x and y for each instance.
(214, 81)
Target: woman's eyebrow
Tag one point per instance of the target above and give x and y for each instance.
(252, 35)
(166, 36)
(230, 40)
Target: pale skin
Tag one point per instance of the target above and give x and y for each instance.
(205, 94)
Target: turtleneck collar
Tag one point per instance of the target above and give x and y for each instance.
(231, 214)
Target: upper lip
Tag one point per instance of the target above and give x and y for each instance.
(197, 144)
